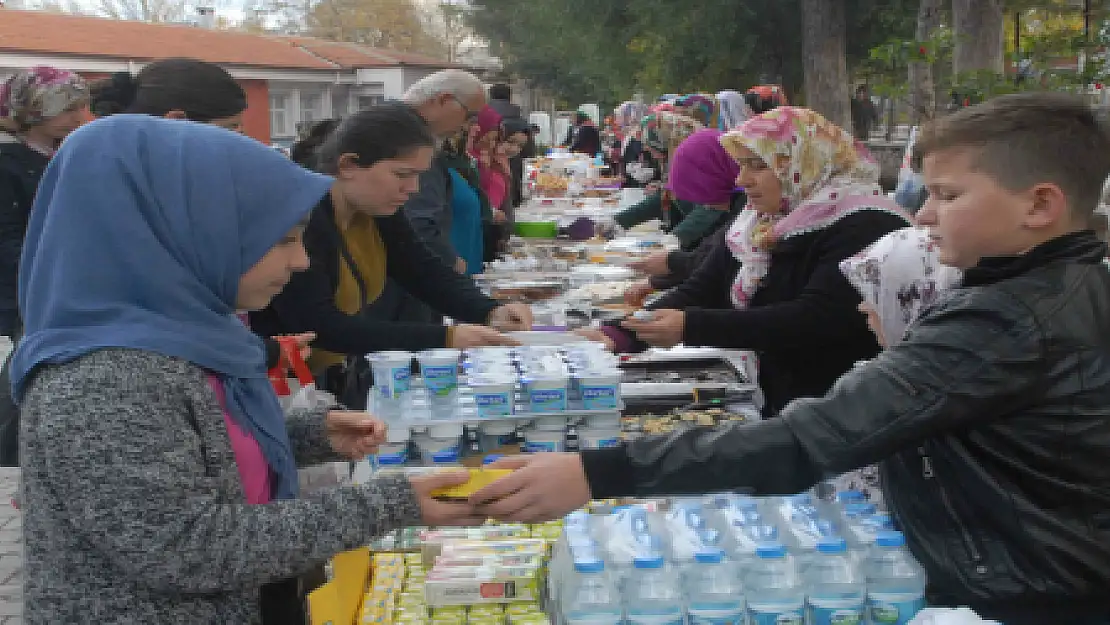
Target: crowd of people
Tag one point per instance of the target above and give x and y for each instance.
(150, 259)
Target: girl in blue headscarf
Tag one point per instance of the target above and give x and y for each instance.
(149, 426)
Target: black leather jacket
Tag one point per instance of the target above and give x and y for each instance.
(993, 419)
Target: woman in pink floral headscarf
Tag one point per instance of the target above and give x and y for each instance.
(38, 108)
(775, 285)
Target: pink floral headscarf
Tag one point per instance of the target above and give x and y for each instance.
(33, 96)
(825, 175)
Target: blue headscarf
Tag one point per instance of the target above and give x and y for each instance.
(140, 232)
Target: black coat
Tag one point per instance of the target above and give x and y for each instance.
(21, 169)
(803, 322)
(308, 303)
(992, 419)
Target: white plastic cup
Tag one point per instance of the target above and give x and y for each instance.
(392, 380)
(538, 441)
(493, 396)
(440, 370)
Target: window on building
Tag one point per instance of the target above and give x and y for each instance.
(281, 117)
(312, 107)
(369, 101)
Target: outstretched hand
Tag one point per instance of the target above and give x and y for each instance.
(542, 487)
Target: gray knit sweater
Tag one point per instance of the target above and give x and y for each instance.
(133, 506)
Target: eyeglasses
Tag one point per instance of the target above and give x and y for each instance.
(470, 115)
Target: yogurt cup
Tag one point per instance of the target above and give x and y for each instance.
(392, 374)
(393, 449)
(547, 393)
(493, 397)
(550, 424)
(590, 438)
(538, 441)
(440, 370)
(607, 421)
(600, 390)
(440, 438)
(496, 434)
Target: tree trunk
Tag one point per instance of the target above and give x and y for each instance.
(826, 70)
(922, 81)
(979, 30)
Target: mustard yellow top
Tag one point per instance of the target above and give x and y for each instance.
(368, 251)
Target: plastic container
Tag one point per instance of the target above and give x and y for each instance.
(713, 591)
(895, 581)
(438, 439)
(448, 458)
(774, 591)
(550, 424)
(546, 393)
(834, 586)
(590, 597)
(392, 379)
(600, 390)
(653, 593)
(599, 438)
(496, 434)
(389, 463)
(607, 421)
(537, 441)
(440, 370)
(493, 396)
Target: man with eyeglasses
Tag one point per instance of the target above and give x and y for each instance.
(449, 101)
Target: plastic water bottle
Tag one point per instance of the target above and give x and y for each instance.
(835, 586)
(895, 581)
(653, 595)
(774, 591)
(713, 590)
(591, 598)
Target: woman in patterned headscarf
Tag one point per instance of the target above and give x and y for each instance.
(775, 286)
(663, 131)
(38, 108)
(898, 277)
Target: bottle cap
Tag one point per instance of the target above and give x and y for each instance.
(890, 539)
(589, 565)
(391, 460)
(709, 556)
(770, 551)
(859, 509)
(648, 561)
(851, 496)
(832, 544)
(492, 458)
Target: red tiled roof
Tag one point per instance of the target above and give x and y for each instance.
(354, 56)
(52, 33)
(71, 35)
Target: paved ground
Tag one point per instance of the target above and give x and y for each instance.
(11, 551)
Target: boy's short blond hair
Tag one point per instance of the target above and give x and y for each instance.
(1028, 138)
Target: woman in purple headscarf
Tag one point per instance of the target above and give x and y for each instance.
(702, 173)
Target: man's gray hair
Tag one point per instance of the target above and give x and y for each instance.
(455, 82)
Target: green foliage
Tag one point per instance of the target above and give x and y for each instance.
(591, 50)
(1050, 34)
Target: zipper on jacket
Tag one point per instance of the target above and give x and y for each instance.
(965, 535)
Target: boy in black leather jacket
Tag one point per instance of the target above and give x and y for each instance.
(991, 417)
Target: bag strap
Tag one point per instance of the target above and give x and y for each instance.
(352, 266)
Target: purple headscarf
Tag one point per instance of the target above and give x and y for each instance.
(702, 172)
